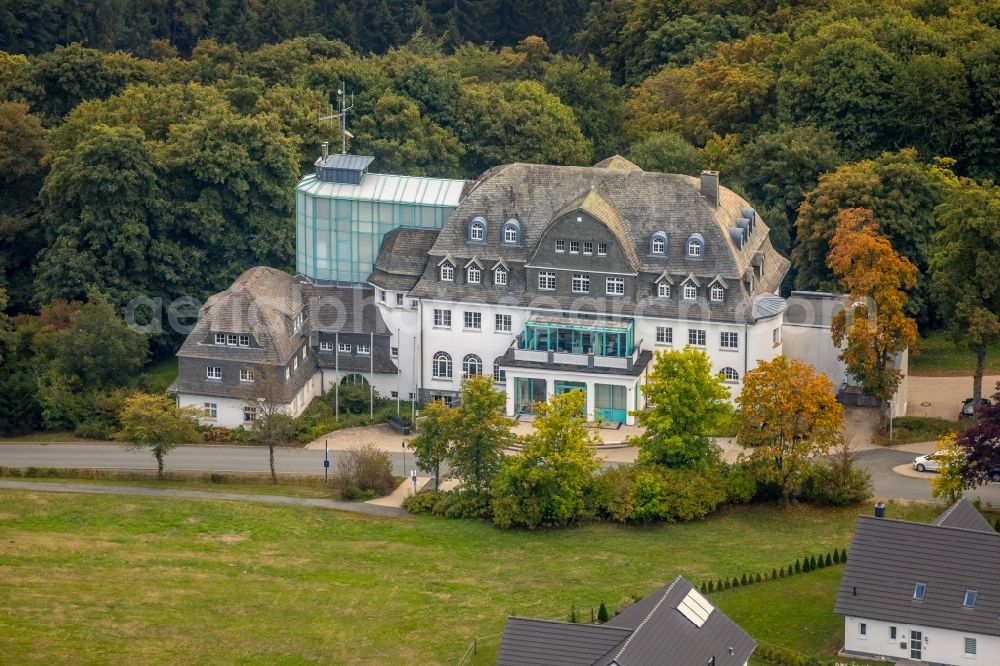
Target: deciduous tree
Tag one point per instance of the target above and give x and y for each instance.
(949, 482)
(686, 402)
(981, 444)
(965, 270)
(482, 433)
(435, 432)
(788, 414)
(272, 426)
(544, 484)
(872, 329)
(154, 422)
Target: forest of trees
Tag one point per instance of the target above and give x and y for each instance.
(151, 148)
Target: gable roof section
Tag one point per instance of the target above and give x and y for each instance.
(964, 515)
(617, 163)
(598, 207)
(888, 557)
(651, 631)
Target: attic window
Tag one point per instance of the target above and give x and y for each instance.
(500, 276)
(690, 292)
(970, 599)
(477, 230)
(511, 232)
(663, 290)
(918, 591)
(717, 293)
(447, 273)
(695, 246)
(658, 243)
(473, 275)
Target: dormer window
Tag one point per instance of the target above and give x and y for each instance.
(220, 338)
(658, 243)
(447, 272)
(244, 341)
(970, 599)
(473, 275)
(477, 230)
(690, 291)
(695, 247)
(500, 277)
(918, 591)
(231, 339)
(717, 292)
(663, 290)
(511, 232)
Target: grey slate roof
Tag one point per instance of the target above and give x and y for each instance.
(633, 204)
(888, 557)
(402, 257)
(650, 632)
(810, 308)
(963, 514)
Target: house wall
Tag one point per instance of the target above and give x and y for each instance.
(939, 646)
(814, 345)
(403, 323)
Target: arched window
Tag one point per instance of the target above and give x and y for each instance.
(441, 367)
(717, 293)
(473, 275)
(696, 246)
(354, 378)
(500, 276)
(658, 243)
(511, 232)
(447, 272)
(690, 291)
(499, 374)
(663, 290)
(730, 375)
(477, 230)
(472, 366)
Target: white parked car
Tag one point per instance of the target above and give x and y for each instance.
(929, 463)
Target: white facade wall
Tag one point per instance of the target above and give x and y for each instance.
(814, 345)
(403, 322)
(384, 384)
(938, 646)
(229, 411)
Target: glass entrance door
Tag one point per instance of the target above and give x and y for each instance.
(561, 387)
(609, 402)
(526, 393)
(916, 645)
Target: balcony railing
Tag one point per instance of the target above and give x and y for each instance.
(571, 359)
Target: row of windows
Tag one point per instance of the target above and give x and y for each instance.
(968, 601)
(694, 248)
(399, 297)
(215, 372)
(613, 286)
(587, 247)
(970, 646)
(502, 323)
(509, 235)
(345, 347)
(473, 275)
(716, 292)
(232, 340)
(472, 366)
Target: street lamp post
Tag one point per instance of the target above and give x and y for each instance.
(404, 458)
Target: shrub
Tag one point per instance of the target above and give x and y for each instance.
(743, 581)
(782, 574)
(812, 563)
(996, 524)
(422, 502)
(736, 582)
(215, 477)
(740, 486)
(774, 574)
(364, 470)
(572, 615)
(840, 484)
(758, 579)
(798, 566)
(602, 612)
(805, 565)
(704, 589)
(711, 586)
(718, 585)
(843, 556)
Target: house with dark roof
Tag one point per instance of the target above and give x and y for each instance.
(674, 625)
(923, 592)
(547, 278)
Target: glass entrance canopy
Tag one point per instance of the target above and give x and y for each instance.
(571, 335)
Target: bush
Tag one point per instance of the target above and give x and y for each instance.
(364, 470)
(602, 612)
(740, 485)
(422, 502)
(829, 560)
(355, 398)
(837, 485)
(652, 493)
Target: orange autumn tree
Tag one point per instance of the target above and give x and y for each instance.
(873, 327)
(788, 414)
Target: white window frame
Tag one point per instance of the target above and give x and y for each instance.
(381, 295)
(244, 341)
(510, 234)
(220, 338)
(919, 590)
(602, 249)
(588, 248)
(581, 283)
(474, 275)
(246, 375)
(499, 374)
(560, 246)
(326, 346)
(477, 232)
(614, 286)
(249, 413)
(729, 340)
(442, 318)
(663, 290)
(974, 594)
(717, 293)
(213, 372)
(694, 249)
(441, 365)
(470, 361)
(970, 641)
(731, 374)
(664, 335)
(696, 337)
(394, 352)
(344, 347)
(690, 291)
(232, 339)
(364, 348)
(658, 245)
(399, 299)
(447, 273)
(211, 410)
(500, 277)
(574, 247)
(503, 323)
(863, 630)
(472, 320)
(546, 281)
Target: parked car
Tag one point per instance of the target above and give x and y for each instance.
(929, 463)
(966, 412)
(995, 475)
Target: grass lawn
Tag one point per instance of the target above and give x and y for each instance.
(245, 484)
(911, 429)
(43, 436)
(97, 579)
(936, 354)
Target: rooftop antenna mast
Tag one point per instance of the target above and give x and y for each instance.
(344, 108)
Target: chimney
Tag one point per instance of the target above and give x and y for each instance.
(880, 510)
(710, 186)
(326, 149)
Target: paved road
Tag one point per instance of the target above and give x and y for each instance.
(92, 489)
(244, 459)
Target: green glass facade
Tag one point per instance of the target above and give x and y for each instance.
(582, 337)
(340, 226)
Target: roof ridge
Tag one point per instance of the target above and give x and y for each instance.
(642, 624)
(569, 624)
(934, 525)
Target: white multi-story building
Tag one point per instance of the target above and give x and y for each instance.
(548, 278)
